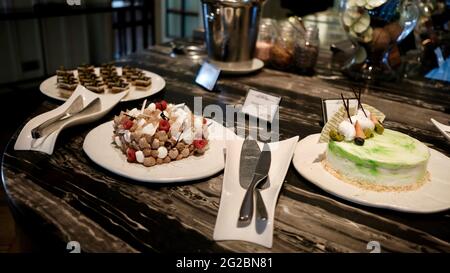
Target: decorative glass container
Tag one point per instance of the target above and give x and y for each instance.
(376, 27)
(282, 53)
(266, 39)
(307, 50)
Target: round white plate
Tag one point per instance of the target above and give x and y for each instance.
(433, 196)
(49, 88)
(239, 68)
(99, 148)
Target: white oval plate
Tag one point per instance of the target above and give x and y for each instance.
(99, 148)
(434, 196)
(49, 88)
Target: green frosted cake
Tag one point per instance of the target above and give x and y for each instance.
(361, 151)
(392, 159)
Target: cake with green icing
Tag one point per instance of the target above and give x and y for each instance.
(392, 159)
(362, 151)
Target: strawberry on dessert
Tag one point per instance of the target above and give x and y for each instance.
(200, 145)
(164, 125)
(131, 155)
(127, 124)
(163, 105)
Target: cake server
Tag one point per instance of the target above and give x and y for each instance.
(250, 154)
(259, 175)
(25, 142)
(74, 108)
(249, 158)
(92, 107)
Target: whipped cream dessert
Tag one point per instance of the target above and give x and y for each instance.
(362, 152)
(160, 133)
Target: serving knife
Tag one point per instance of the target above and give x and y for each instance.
(259, 175)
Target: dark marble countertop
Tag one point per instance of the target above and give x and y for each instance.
(70, 197)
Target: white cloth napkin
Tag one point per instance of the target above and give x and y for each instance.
(442, 128)
(232, 194)
(46, 144)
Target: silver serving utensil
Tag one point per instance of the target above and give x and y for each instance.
(249, 158)
(74, 108)
(250, 154)
(260, 174)
(92, 107)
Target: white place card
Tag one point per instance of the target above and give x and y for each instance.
(261, 105)
(207, 76)
(331, 106)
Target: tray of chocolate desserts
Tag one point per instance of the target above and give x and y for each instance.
(106, 79)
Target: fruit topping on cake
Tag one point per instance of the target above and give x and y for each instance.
(356, 128)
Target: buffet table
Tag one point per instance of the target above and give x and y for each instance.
(73, 199)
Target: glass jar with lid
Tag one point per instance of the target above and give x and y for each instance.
(282, 52)
(307, 50)
(266, 39)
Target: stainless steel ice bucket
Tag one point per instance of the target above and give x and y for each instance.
(231, 28)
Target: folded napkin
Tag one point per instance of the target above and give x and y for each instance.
(442, 128)
(46, 144)
(232, 194)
